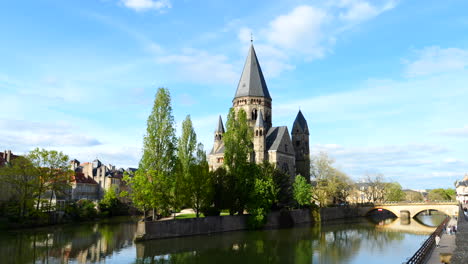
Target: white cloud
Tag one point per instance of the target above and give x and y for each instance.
(355, 11)
(309, 32)
(300, 30)
(455, 132)
(436, 60)
(144, 5)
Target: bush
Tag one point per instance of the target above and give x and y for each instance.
(81, 210)
(111, 205)
(210, 211)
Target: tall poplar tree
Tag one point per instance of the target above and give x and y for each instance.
(159, 146)
(186, 158)
(238, 148)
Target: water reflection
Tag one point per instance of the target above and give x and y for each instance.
(351, 241)
(82, 243)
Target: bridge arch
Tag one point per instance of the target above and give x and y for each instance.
(397, 214)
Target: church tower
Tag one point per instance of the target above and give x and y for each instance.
(218, 137)
(259, 139)
(252, 92)
(300, 139)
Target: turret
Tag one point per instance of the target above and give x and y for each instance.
(219, 132)
(259, 139)
(300, 139)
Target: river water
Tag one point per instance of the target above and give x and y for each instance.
(361, 240)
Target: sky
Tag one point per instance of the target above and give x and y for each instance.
(383, 84)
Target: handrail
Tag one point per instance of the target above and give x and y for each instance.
(428, 245)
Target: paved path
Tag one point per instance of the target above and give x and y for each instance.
(447, 245)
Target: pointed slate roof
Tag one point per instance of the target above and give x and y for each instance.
(260, 122)
(220, 128)
(301, 122)
(252, 82)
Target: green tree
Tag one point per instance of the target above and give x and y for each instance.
(21, 179)
(238, 148)
(199, 181)
(186, 159)
(159, 146)
(282, 183)
(393, 192)
(110, 205)
(140, 190)
(302, 191)
(53, 171)
(261, 199)
(441, 194)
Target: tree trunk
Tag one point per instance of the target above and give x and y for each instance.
(154, 215)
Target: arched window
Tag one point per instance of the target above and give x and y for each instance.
(256, 133)
(261, 132)
(254, 114)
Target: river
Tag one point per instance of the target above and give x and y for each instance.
(360, 240)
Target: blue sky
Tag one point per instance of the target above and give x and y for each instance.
(383, 84)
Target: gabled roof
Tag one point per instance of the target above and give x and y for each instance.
(275, 136)
(252, 82)
(217, 151)
(81, 178)
(220, 128)
(301, 123)
(260, 122)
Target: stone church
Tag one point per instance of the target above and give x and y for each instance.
(290, 153)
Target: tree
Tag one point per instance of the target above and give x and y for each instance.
(302, 191)
(159, 145)
(413, 196)
(110, 204)
(140, 191)
(331, 184)
(393, 192)
(262, 197)
(186, 159)
(441, 194)
(238, 148)
(199, 182)
(20, 177)
(281, 181)
(375, 191)
(53, 171)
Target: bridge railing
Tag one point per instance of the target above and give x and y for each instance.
(416, 203)
(423, 252)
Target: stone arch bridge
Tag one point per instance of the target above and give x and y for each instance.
(409, 210)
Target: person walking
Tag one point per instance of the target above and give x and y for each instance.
(448, 230)
(437, 240)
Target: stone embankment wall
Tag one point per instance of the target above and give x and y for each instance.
(216, 224)
(460, 255)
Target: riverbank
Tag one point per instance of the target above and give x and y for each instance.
(217, 224)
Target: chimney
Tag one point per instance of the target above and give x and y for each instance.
(8, 157)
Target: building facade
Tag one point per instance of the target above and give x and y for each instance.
(290, 153)
(461, 188)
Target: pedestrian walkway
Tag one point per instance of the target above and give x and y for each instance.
(447, 245)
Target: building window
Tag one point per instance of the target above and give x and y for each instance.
(254, 114)
(286, 147)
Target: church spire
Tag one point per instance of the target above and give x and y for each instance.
(252, 82)
(260, 121)
(220, 128)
